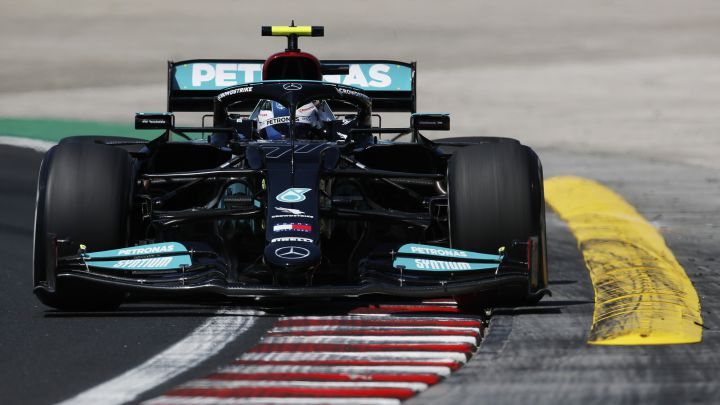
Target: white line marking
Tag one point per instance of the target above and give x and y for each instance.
(168, 400)
(369, 356)
(372, 339)
(446, 302)
(202, 343)
(371, 328)
(312, 148)
(417, 305)
(438, 370)
(34, 144)
(359, 318)
(221, 384)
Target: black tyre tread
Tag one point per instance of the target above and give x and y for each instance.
(490, 198)
(479, 139)
(537, 178)
(99, 139)
(84, 193)
(132, 145)
(490, 205)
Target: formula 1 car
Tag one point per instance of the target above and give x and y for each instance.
(291, 192)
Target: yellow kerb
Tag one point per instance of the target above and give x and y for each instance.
(642, 294)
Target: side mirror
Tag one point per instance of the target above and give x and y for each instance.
(431, 122)
(163, 120)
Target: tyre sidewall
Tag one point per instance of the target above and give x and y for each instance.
(84, 196)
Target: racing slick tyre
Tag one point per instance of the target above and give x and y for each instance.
(448, 147)
(539, 275)
(491, 202)
(122, 142)
(479, 139)
(99, 139)
(84, 192)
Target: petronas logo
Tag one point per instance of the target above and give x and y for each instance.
(292, 195)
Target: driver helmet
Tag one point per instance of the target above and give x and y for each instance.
(274, 120)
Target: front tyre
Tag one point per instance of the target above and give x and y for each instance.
(492, 202)
(84, 195)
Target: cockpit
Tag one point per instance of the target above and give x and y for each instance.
(312, 120)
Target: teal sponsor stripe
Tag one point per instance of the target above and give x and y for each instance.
(213, 75)
(157, 256)
(435, 265)
(148, 264)
(53, 130)
(141, 250)
(440, 253)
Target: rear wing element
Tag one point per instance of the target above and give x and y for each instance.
(192, 84)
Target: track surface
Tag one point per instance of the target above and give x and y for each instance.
(539, 354)
(621, 92)
(50, 356)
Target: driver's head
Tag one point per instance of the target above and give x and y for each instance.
(274, 121)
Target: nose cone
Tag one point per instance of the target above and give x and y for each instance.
(292, 255)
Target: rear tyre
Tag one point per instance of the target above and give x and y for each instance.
(490, 194)
(84, 192)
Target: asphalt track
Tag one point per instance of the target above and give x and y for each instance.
(624, 93)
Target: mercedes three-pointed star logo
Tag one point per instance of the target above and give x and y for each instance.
(292, 252)
(292, 86)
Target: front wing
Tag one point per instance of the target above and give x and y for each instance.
(386, 273)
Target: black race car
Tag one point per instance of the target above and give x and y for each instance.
(294, 190)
